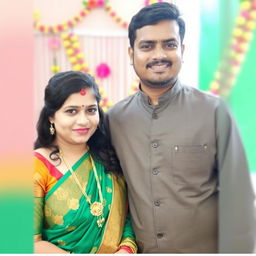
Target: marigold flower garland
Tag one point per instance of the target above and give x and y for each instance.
(72, 22)
(148, 2)
(61, 27)
(75, 56)
(227, 72)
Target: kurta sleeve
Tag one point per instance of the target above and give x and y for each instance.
(236, 198)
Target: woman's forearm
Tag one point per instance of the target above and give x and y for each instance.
(46, 247)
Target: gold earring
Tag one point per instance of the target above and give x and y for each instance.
(52, 130)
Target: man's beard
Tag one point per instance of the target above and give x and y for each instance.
(159, 84)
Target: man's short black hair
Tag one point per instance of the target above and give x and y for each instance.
(152, 14)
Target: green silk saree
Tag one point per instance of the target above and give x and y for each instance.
(62, 214)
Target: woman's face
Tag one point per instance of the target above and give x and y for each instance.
(77, 119)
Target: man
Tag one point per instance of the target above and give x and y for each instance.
(180, 150)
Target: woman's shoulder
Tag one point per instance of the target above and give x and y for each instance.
(44, 165)
(45, 152)
(42, 158)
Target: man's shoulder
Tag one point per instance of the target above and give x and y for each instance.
(200, 94)
(122, 104)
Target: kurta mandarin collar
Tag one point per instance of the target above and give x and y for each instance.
(163, 100)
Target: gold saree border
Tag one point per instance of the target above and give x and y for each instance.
(37, 238)
(116, 220)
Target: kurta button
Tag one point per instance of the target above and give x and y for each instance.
(157, 203)
(176, 148)
(154, 144)
(154, 116)
(160, 235)
(155, 171)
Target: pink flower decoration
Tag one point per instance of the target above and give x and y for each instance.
(54, 43)
(245, 14)
(103, 70)
(100, 3)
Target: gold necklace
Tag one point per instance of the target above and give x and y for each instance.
(96, 208)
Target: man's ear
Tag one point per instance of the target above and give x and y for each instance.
(182, 49)
(130, 53)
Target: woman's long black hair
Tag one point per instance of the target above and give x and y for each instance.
(59, 88)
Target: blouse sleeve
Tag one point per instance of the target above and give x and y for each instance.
(39, 193)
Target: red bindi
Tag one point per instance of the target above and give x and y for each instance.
(83, 91)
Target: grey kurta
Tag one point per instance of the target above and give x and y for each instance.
(173, 156)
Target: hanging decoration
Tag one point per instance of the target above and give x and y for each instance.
(61, 27)
(148, 2)
(54, 45)
(135, 87)
(73, 21)
(75, 56)
(114, 15)
(90, 4)
(105, 103)
(226, 75)
(103, 70)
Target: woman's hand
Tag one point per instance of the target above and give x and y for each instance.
(122, 251)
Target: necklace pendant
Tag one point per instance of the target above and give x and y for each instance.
(96, 209)
(100, 221)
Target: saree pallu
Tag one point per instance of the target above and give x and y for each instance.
(62, 214)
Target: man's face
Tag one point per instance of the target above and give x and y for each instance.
(157, 54)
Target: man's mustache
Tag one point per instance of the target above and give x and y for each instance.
(156, 62)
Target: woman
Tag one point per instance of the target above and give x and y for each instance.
(80, 195)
